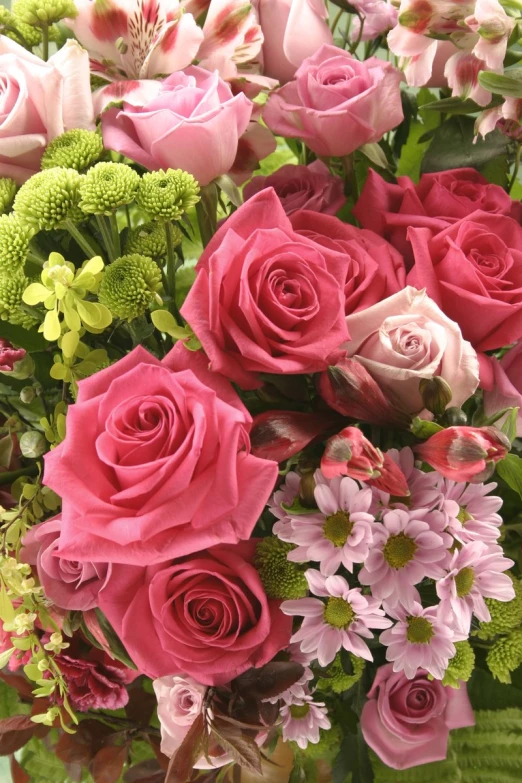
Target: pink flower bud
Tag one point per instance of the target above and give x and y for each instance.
(9, 356)
(351, 454)
(465, 453)
(278, 435)
(391, 479)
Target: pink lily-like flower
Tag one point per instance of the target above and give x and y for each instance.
(494, 27)
(136, 39)
(232, 35)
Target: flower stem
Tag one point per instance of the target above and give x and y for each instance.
(45, 42)
(106, 236)
(116, 244)
(9, 476)
(171, 271)
(516, 169)
(206, 211)
(78, 236)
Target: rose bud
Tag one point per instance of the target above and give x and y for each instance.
(351, 454)
(465, 453)
(436, 394)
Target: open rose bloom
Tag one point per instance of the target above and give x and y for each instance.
(261, 390)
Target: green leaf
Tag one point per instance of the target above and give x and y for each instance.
(32, 341)
(424, 429)
(6, 450)
(42, 764)
(456, 105)
(413, 151)
(6, 607)
(509, 427)
(116, 646)
(453, 146)
(10, 703)
(52, 329)
(502, 84)
(375, 154)
(510, 469)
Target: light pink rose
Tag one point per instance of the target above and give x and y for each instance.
(407, 722)
(407, 338)
(337, 103)
(180, 701)
(293, 30)
(193, 123)
(506, 389)
(302, 187)
(156, 463)
(67, 583)
(39, 101)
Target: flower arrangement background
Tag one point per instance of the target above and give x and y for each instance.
(260, 391)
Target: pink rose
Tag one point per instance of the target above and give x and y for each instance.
(180, 701)
(193, 122)
(337, 103)
(407, 722)
(156, 463)
(437, 201)
(506, 390)
(206, 615)
(473, 271)
(407, 338)
(265, 298)
(67, 583)
(309, 187)
(375, 270)
(293, 30)
(39, 101)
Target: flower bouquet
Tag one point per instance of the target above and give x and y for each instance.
(260, 391)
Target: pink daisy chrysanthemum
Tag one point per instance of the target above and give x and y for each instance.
(474, 573)
(408, 546)
(471, 511)
(282, 499)
(341, 621)
(302, 720)
(341, 534)
(419, 640)
(424, 490)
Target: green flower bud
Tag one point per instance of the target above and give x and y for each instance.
(167, 194)
(336, 679)
(328, 746)
(15, 234)
(74, 149)
(307, 489)
(436, 394)
(281, 578)
(106, 187)
(43, 12)
(505, 617)
(27, 394)
(460, 667)
(48, 198)
(150, 240)
(7, 194)
(33, 444)
(9, 26)
(453, 417)
(129, 286)
(505, 656)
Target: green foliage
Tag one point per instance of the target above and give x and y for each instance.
(336, 679)
(508, 84)
(10, 704)
(413, 151)
(446, 771)
(453, 146)
(42, 764)
(510, 469)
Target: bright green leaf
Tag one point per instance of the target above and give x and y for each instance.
(51, 326)
(35, 293)
(510, 469)
(70, 342)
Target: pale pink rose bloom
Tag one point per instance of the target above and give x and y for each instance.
(293, 30)
(39, 101)
(494, 27)
(406, 338)
(337, 103)
(507, 387)
(180, 701)
(136, 39)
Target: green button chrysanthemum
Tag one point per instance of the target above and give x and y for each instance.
(48, 198)
(7, 194)
(43, 12)
(460, 667)
(281, 578)
(505, 656)
(15, 234)
(149, 240)
(167, 194)
(74, 149)
(106, 187)
(505, 615)
(12, 287)
(18, 31)
(129, 286)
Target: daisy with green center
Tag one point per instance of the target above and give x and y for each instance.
(408, 546)
(341, 621)
(419, 640)
(302, 720)
(475, 572)
(470, 510)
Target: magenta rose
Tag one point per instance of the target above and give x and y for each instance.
(337, 103)
(407, 722)
(156, 463)
(375, 270)
(193, 123)
(94, 680)
(435, 202)
(506, 387)
(309, 187)
(266, 299)
(206, 615)
(473, 271)
(67, 583)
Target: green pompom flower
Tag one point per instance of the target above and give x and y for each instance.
(328, 746)
(106, 187)
(48, 198)
(18, 31)
(505, 616)
(505, 656)
(12, 287)
(130, 285)
(167, 194)
(7, 194)
(74, 149)
(336, 679)
(43, 12)
(15, 235)
(460, 667)
(149, 240)
(281, 578)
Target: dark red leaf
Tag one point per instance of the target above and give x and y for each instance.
(23, 686)
(182, 762)
(108, 763)
(268, 681)
(18, 774)
(240, 746)
(11, 741)
(147, 771)
(278, 435)
(163, 760)
(16, 723)
(141, 706)
(73, 749)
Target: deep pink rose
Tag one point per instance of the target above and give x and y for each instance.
(407, 338)
(407, 722)
(302, 187)
(94, 681)
(265, 298)
(67, 583)
(337, 103)
(506, 391)
(435, 202)
(473, 271)
(292, 31)
(39, 101)
(156, 463)
(375, 270)
(206, 615)
(193, 123)
(9, 356)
